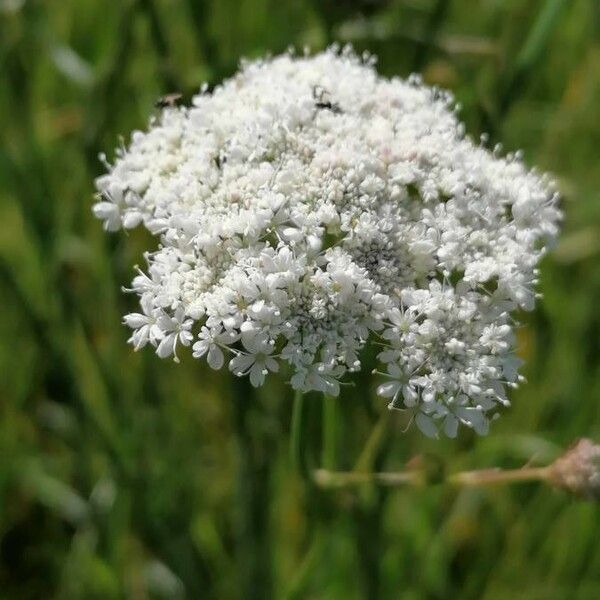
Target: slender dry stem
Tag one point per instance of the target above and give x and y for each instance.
(331, 479)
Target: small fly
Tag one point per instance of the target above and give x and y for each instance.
(168, 101)
(323, 100)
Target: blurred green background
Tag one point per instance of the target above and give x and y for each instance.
(120, 473)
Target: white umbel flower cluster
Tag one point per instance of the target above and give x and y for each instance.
(307, 206)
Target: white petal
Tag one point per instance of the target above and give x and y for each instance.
(241, 363)
(215, 357)
(272, 364)
(410, 395)
(451, 426)
(132, 219)
(167, 346)
(426, 425)
(185, 337)
(200, 348)
(257, 375)
(135, 320)
(389, 389)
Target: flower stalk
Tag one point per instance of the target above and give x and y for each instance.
(253, 551)
(297, 437)
(486, 477)
(332, 479)
(330, 420)
(576, 471)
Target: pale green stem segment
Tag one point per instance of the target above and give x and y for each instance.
(374, 442)
(344, 479)
(331, 479)
(499, 476)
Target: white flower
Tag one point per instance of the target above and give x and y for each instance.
(109, 213)
(311, 227)
(318, 377)
(257, 363)
(144, 324)
(209, 341)
(174, 330)
(401, 386)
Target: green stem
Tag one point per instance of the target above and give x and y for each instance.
(297, 435)
(432, 27)
(301, 579)
(252, 523)
(372, 448)
(102, 102)
(367, 511)
(531, 52)
(200, 16)
(329, 451)
(344, 479)
(161, 45)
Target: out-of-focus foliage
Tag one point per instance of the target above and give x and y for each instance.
(118, 471)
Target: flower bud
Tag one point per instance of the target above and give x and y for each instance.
(578, 470)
